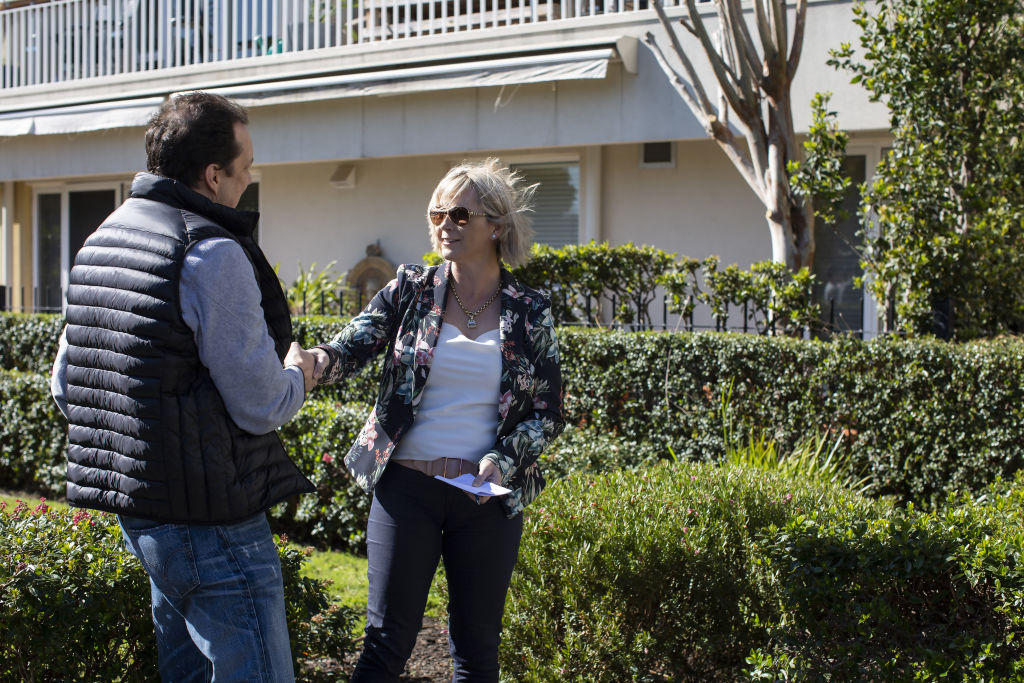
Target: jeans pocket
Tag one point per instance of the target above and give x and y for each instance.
(166, 553)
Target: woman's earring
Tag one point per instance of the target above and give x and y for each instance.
(494, 235)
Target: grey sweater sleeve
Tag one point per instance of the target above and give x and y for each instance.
(59, 375)
(220, 302)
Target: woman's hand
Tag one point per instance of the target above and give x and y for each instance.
(321, 359)
(487, 471)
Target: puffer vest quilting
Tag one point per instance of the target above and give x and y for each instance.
(149, 435)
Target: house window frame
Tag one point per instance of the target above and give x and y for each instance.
(64, 189)
(122, 190)
(871, 150)
(586, 229)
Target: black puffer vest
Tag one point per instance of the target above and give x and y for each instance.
(149, 434)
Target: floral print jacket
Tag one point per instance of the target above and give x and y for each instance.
(404, 320)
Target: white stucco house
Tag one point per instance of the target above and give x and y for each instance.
(358, 107)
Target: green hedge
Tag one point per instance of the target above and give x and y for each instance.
(698, 572)
(34, 437)
(29, 341)
(75, 604)
(921, 418)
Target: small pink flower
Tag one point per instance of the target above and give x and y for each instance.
(79, 516)
(327, 457)
(686, 529)
(789, 497)
(504, 403)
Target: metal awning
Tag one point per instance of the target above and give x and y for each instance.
(79, 119)
(548, 64)
(586, 64)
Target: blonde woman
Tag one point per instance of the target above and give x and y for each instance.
(470, 383)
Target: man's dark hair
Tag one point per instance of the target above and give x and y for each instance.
(190, 132)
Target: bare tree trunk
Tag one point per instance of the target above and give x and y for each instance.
(756, 89)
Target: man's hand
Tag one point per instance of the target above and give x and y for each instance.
(304, 361)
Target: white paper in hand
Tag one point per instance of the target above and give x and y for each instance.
(465, 482)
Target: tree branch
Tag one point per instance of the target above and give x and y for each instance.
(798, 38)
(767, 40)
(779, 23)
(722, 74)
(705, 103)
(742, 36)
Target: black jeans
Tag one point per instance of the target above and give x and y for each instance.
(414, 521)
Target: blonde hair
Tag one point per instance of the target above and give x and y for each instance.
(502, 197)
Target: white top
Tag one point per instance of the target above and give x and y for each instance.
(458, 413)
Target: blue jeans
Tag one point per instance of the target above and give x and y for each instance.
(218, 599)
(414, 521)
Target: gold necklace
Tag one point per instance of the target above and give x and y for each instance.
(471, 317)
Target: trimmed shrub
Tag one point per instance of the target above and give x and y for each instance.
(593, 451)
(922, 418)
(697, 572)
(317, 439)
(28, 341)
(75, 604)
(904, 597)
(33, 435)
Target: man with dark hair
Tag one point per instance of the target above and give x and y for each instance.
(176, 366)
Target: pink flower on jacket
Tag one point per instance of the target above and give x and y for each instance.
(368, 433)
(424, 353)
(504, 404)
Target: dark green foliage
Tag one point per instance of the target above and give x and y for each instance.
(947, 202)
(33, 435)
(75, 604)
(695, 572)
(362, 387)
(898, 596)
(922, 417)
(317, 439)
(29, 341)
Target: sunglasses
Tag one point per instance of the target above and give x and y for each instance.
(460, 215)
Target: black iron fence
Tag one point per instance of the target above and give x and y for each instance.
(608, 312)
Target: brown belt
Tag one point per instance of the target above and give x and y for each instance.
(449, 468)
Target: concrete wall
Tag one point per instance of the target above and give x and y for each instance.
(622, 107)
(700, 207)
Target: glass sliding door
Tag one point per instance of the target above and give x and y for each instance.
(64, 218)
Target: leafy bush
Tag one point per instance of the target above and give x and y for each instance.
(697, 572)
(594, 451)
(29, 341)
(317, 439)
(921, 418)
(33, 435)
(899, 598)
(75, 603)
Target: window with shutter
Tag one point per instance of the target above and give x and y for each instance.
(556, 210)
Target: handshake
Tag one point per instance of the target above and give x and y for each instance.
(312, 363)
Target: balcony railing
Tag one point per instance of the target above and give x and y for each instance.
(68, 40)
